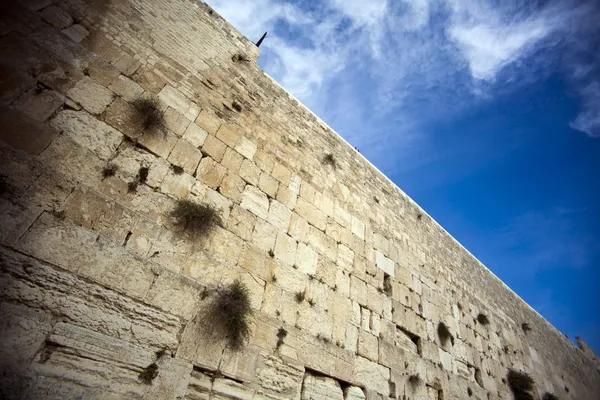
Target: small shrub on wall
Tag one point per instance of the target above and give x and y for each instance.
(520, 384)
(444, 333)
(196, 218)
(230, 312)
(150, 115)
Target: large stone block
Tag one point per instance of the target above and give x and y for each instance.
(88, 132)
(92, 96)
(320, 388)
(23, 133)
(255, 201)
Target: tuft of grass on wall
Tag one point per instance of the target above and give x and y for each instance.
(109, 170)
(414, 379)
(300, 296)
(444, 333)
(521, 384)
(483, 319)
(525, 327)
(177, 170)
(281, 334)
(150, 115)
(196, 218)
(328, 159)
(230, 312)
(148, 374)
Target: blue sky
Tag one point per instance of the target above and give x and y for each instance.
(486, 113)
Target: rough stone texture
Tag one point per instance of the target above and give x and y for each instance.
(91, 95)
(97, 282)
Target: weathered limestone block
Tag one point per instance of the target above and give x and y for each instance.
(195, 135)
(306, 259)
(92, 96)
(175, 294)
(232, 160)
(175, 121)
(39, 285)
(88, 132)
(371, 375)
(174, 98)
(22, 332)
(39, 106)
(56, 16)
(279, 377)
(322, 243)
(158, 143)
(76, 32)
(126, 64)
(367, 345)
(103, 72)
(255, 201)
(229, 134)
(351, 338)
(312, 214)
(279, 215)
(320, 388)
(208, 121)
(214, 148)
(264, 235)
(241, 222)
(225, 389)
(185, 155)
(250, 172)
(354, 393)
(126, 88)
(172, 380)
(285, 248)
(268, 184)
(232, 187)
(125, 118)
(282, 174)
(298, 228)
(358, 228)
(24, 133)
(199, 386)
(385, 264)
(246, 147)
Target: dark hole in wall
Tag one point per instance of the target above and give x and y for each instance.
(416, 339)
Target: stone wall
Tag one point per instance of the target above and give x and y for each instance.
(100, 287)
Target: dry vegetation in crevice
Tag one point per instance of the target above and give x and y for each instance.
(195, 218)
(150, 115)
(230, 312)
(520, 384)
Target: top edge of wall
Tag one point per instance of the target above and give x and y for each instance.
(369, 163)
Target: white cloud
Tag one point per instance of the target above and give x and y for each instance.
(489, 48)
(396, 55)
(588, 120)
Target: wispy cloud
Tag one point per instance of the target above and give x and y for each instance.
(547, 240)
(397, 57)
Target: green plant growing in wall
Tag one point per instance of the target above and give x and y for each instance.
(150, 116)
(521, 384)
(196, 218)
(148, 374)
(230, 312)
(177, 170)
(525, 327)
(444, 333)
